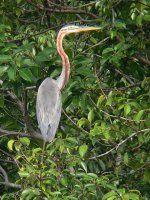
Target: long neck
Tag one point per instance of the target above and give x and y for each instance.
(63, 78)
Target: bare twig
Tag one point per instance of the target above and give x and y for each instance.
(4, 174)
(15, 98)
(99, 43)
(124, 75)
(6, 154)
(142, 59)
(88, 4)
(120, 143)
(30, 88)
(81, 129)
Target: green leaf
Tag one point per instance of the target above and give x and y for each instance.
(92, 39)
(127, 109)
(84, 71)
(107, 50)
(82, 121)
(91, 116)
(18, 12)
(147, 122)
(120, 24)
(11, 73)
(126, 159)
(109, 98)
(18, 146)
(64, 181)
(18, 1)
(139, 20)
(113, 34)
(28, 194)
(112, 194)
(133, 196)
(26, 74)
(1, 101)
(147, 175)
(44, 55)
(3, 69)
(95, 131)
(83, 164)
(146, 18)
(25, 141)
(82, 150)
(92, 175)
(4, 58)
(138, 116)
(125, 197)
(102, 164)
(28, 62)
(24, 174)
(100, 101)
(10, 144)
(90, 185)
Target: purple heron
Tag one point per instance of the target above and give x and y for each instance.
(48, 105)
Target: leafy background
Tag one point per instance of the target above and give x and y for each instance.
(101, 149)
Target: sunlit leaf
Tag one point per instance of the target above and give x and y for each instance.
(127, 109)
(138, 116)
(25, 141)
(91, 116)
(109, 195)
(82, 150)
(24, 174)
(10, 144)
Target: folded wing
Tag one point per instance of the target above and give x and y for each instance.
(48, 108)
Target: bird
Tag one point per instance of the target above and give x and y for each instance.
(48, 102)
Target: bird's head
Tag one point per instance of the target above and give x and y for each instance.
(67, 29)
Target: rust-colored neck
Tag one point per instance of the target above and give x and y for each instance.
(63, 78)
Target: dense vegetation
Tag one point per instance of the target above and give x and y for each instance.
(101, 149)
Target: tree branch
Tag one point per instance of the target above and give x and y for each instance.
(60, 10)
(113, 116)
(24, 113)
(46, 5)
(81, 129)
(4, 174)
(6, 182)
(119, 144)
(13, 185)
(21, 134)
(142, 59)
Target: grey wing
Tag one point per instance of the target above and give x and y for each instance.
(48, 108)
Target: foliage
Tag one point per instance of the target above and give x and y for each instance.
(101, 150)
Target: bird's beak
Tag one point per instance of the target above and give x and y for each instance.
(88, 28)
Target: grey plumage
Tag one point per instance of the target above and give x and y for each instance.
(48, 108)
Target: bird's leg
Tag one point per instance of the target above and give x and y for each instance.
(43, 151)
